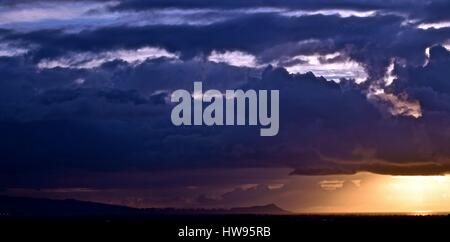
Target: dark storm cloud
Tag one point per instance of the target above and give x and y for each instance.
(400, 5)
(434, 75)
(116, 117)
(308, 4)
(253, 34)
(432, 11)
(140, 5)
(423, 11)
(89, 129)
(372, 41)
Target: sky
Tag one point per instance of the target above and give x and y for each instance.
(364, 103)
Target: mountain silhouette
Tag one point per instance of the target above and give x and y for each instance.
(42, 207)
(271, 209)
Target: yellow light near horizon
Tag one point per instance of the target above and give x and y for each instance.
(375, 193)
(419, 194)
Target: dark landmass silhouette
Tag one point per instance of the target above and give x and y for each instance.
(42, 207)
(79, 220)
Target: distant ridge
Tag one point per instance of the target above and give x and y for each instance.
(271, 209)
(42, 207)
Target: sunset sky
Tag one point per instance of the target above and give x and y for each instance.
(364, 103)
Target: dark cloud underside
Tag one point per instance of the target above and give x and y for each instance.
(91, 96)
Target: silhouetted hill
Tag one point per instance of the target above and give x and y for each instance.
(36, 207)
(40, 207)
(271, 209)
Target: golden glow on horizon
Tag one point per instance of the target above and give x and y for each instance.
(359, 193)
(422, 194)
(374, 193)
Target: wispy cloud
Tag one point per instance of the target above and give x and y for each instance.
(233, 58)
(92, 60)
(29, 16)
(331, 66)
(437, 25)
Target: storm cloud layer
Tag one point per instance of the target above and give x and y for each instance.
(85, 85)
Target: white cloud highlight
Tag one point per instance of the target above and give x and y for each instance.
(9, 50)
(343, 13)
(438, 25)
(389, 76)
(233, 58)
(92, 60)
(395, 105)
(329, 66)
